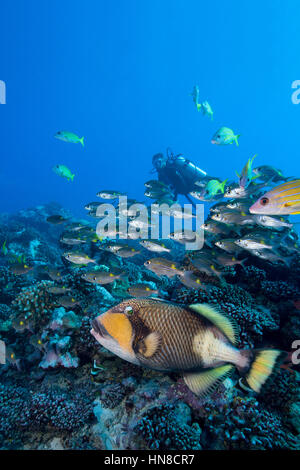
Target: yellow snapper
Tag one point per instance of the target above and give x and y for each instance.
(198, 341)
(67, 136)
(225, 136)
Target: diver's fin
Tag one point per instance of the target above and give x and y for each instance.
(237, 174)
(82, 141)
(226, 324)
(202, 383)
(198, 106)
(263, 363)
(71, 177)
(149, 345)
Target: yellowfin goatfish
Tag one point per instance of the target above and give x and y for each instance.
(127, 252)
(56, 290)
(254, 242)
(235, 218)
(164, 267)
(238, 192)
(207, 266)
(192, 281)
(215, 227)
(228, 245)
(198, 341)
(141, 290)
(66, 136)
(227, 260)
(54, 273)
(56, 219)
(64, 172)
(219, 207)
(200, 195)
(183, 237)
(78, 258)
(157, 247)
(102, 277)
(282, 200)
(67, 301)
(225, 136)
(271, 222)
(19, 269)
(107, 194)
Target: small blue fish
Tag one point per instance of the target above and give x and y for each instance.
(225, 136)
(195, 96)
(66, 136)
(206, 109)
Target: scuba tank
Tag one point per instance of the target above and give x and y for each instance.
(188, 171)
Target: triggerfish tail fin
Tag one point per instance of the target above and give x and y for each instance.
(203, 383)
(198, 106)
(262, 364)
(237, 174)
(236, 137)
(82, 141)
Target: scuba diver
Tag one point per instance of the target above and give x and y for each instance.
(177, 172)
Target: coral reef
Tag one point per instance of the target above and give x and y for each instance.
(61, 390)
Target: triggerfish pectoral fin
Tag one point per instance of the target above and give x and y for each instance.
(202, 383)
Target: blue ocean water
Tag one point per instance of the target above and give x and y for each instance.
(120, 73)
(73, 375)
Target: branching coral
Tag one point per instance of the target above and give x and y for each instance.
(166, 427)
(22, 411)
(245, 424)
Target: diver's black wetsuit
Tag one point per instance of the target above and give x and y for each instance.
(180, 174)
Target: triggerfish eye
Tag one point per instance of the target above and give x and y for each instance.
(128, 309)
